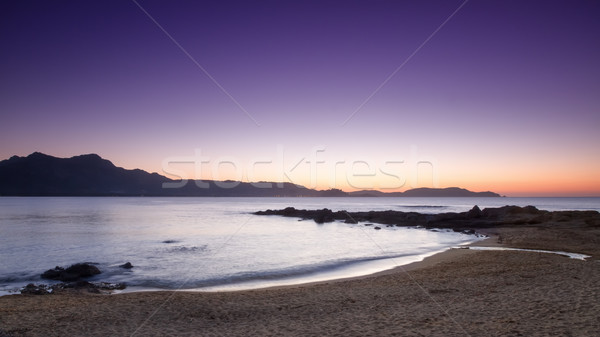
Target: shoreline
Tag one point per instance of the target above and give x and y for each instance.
(355, 269)
(428, 261)
(455, 293)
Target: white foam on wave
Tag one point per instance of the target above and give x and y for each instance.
(358, 269)
(575, 256)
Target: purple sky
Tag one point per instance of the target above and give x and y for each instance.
(505, 96)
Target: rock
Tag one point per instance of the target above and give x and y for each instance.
(289, 211)
(126, 265)
(92, 287)
(505, 211)
(323, 215)
(377, 227)
(32, 289)
(83, 270)
(72, 273)
(531, 210)
(474, 213)
(53, 274)
(80, 285)
(111, 286)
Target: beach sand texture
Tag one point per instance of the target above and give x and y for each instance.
(458, 293)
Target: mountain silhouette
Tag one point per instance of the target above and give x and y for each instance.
(90, 175)
(454, 192)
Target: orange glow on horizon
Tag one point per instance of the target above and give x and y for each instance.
(525, 183)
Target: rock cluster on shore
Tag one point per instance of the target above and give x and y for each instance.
(72, 273)
(72, 278)
(91, 287)
(464, 221)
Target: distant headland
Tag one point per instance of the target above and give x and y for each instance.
(90, 175)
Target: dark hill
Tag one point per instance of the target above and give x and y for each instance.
(40, 174)
(446, 192)
(426, 192)
(90, 175)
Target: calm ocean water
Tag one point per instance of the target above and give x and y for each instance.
(216, 244)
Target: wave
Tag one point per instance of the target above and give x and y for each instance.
(422, 206)
(18, 278)
(575, 256)
(186, 249)
(264, 275)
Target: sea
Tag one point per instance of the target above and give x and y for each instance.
(217, 244)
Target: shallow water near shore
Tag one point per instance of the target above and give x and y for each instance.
(216, 243)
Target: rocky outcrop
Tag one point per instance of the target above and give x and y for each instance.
(72, 273)
(32, 289)
(323, 216)
(319, 216)
(474, 213)
(463, 222)
(91, 287)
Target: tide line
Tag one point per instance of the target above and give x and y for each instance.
(576, 256)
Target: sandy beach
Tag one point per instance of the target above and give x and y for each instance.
(457, 293)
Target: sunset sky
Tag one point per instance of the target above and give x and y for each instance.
(390, 95)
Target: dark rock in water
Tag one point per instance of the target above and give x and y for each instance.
(289, 211)
(53, 274)
(79, 285)
(32, 289)
(377, 227)
(467, 222)
(126, 265)
(91, 287)
(323, 215)
(83, 270)
(170, 241)
(94, 287)
(72, 273)
(111, 286)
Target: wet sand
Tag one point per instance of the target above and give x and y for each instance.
(456, 293)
